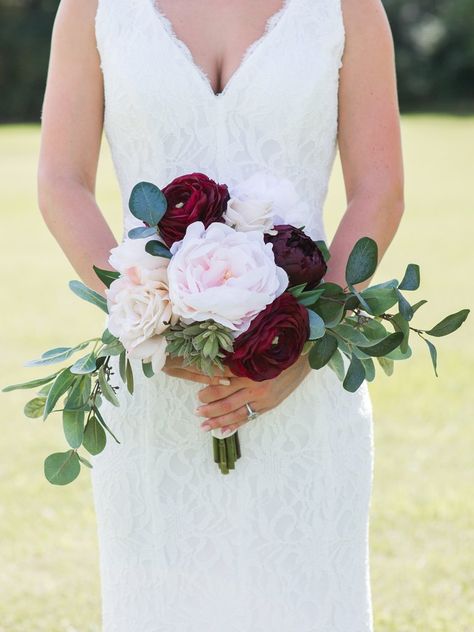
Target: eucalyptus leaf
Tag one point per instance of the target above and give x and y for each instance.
(411, 280)
(129, 377)
(73, 427)
(398, 354)
(322, 351)
(89, 295)
(147, 203)
(147, 369)
(94, 440)
(84, 461)
(31, 384)
(61, 468)
(360, 298)
(449, 324)
(353, 335)
(106, 389)
(418, 305)
(140, 232)
(369, 368)
(86, 364)
(157, 249)
(433, 354)
(61, 385)
(59, 354)
(355, 375)
(400, 324)
(321, 244)
(379, 299)
(106, 276)
(330, 311)
(385, 346)
(122, 366)
(108, 338)
(404, 306)
(374, 330)
(387, 365)
(317, 328)
(307, 299)
(362, 261)
(113, 349)
(104, 424)
(79, 393)
(34, 408)
(336, 363)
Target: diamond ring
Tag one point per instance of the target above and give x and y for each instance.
(252, 414)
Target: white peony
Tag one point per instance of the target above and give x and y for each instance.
(131, 252)
(140, 312)
(223, 274)
(287, 206)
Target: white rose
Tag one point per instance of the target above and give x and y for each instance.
(131, 252)
(140, 312)
(249, 214)
(223, 274)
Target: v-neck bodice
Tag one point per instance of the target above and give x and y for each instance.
(277, 112)
(269, 25)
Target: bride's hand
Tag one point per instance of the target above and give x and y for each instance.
(175, 368)
(224, 406)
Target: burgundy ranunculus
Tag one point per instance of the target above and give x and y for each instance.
(273, 342)
(191, 198)
(298, 255)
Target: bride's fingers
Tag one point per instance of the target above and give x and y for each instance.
(233, 420)
(211, 393)
(224, 406)
(200, 378)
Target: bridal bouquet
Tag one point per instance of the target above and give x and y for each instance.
(223, 280)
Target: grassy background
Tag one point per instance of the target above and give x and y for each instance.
(422, 515)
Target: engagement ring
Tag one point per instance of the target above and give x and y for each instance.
(252, 414)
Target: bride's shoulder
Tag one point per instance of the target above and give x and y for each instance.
(76, 14)
(366, 25)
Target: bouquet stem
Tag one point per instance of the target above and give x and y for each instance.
(226, 452)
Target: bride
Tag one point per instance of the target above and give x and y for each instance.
(231, 89)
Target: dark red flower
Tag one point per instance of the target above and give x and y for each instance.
(298, 255)
(273, 342)
(191, 198)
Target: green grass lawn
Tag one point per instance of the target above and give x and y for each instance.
(422, 514)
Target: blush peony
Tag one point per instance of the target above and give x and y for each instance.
(140, 312)
(273, 341)
(220, 274)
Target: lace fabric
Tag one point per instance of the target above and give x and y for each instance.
(281, 543)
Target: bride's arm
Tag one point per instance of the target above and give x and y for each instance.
(371, 157)
(71, 130)
(368, 136)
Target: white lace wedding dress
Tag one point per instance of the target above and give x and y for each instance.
(280, 544)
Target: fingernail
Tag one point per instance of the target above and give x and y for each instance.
(197, 411)
(226, 431)
(205, 427)
(224, 382)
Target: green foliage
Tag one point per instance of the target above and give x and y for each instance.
(362, 261)
(106, 276)
(147, 203)
(157, 249)
(89, 295)
(62, 468)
